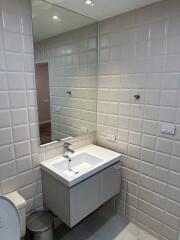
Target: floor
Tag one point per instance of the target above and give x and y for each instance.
(103, 225)
(45, 133)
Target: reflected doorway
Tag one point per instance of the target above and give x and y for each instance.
(43, 100)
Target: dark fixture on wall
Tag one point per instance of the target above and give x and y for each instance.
(68, 92)
(137, 97)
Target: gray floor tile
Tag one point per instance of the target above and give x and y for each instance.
(103, 224)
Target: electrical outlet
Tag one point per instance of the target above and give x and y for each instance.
(168, 129)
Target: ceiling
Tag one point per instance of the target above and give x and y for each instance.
(44, 26)
(103, 9)
(72, 14)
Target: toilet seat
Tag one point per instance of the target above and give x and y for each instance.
(9, 220)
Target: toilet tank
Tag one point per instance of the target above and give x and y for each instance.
(20, 204)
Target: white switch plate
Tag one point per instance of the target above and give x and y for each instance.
(111, 137)
(168, 129)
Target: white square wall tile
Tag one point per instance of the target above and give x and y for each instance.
(158, 29)
(21, 133)
(19, 116)
(169, 233)
(173, 207)
(30, 81)
(176, 149)
(160, 174)
(146, 169)
(171, 220)
(7, 170)
(150, 127)
(151, 112)
(159, 187)
(172, 63)
(172, 44)
(164, 145)
(31, 95)
(33, 117)
(2, 61)
(4, 100)
(173, 24)
(23, 164)
(13, 41)
(135, 124)
(175, 164)
(168, 98)
(3, 81)
(147, 155)
(1, 40)
(29, 63)
(11, 21)
(9, 185)
(5, 119)
(134, 151)
(16, 81)
(6, 153)
(144, 15)
(173, 193)
(28, 44)
(173, 179)
(5, 136)
(17, 99)
(157, 47)
(28, 177)
(135, 138)
(162, 159)
(22, 149)
(8, 5)
(27, 24)
(152, 97)
(148, 141)
(14, 62)
(132, 163)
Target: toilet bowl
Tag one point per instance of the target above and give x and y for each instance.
(12, 216)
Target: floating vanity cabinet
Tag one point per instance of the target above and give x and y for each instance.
(110, 183)
(84, 199)
(72, 204)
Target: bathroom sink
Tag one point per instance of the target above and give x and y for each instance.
(79, 163)
(85, 162)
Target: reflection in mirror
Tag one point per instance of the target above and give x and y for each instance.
(65, 50)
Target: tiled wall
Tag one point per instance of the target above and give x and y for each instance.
(20, 153)
(140, 54)
(72, 59)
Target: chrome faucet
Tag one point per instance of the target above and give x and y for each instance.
(67, 151)
(66, 147)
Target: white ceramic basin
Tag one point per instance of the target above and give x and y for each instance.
(79, 163)
(84, 163)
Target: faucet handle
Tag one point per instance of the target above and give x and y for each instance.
(67, 144)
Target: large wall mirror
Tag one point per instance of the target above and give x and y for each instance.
(65, 50)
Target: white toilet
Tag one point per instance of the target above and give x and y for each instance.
(12, 216)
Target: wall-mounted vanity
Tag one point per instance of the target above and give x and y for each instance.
(93, 179)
